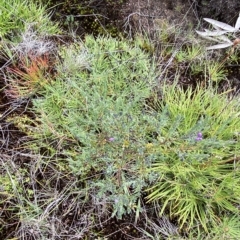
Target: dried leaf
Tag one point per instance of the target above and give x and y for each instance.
(237, 25)
(211, 33)
(212, 39)
(218, 46)
(216, 27)
(223, 39)
(221, 25)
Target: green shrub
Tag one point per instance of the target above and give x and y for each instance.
(94, 113)
(197, 157)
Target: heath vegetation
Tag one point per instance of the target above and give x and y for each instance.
(116, 138)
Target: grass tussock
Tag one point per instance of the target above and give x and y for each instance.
(16, 15)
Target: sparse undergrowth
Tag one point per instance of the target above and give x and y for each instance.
(87, 16)
(117, 138)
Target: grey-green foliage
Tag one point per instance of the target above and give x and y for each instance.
(186, 152)
(95, 111)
